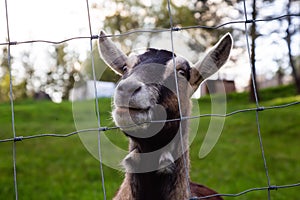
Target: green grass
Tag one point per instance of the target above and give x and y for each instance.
(62, 168)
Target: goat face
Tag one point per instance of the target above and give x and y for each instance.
(147, 90)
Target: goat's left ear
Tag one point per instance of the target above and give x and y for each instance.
(111, 54)
(212, 62)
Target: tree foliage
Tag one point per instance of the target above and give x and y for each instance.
(19, 90)
(290, 32)
(125, 16)
(63, 73)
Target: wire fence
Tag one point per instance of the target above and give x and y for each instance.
(100, 129)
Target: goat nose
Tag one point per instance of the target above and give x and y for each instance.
(129, 87)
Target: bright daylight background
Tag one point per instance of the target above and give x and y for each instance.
(57, 20)
(62, 168)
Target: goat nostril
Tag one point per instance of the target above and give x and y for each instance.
(138, 89)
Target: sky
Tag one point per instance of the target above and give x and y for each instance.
(57, 20)
(53, 20)
(50, 20)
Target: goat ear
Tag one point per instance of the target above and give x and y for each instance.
(212, 62)
(111, 54)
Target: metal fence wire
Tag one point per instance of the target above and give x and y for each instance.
(100, 129)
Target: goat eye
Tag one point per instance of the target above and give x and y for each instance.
(125, 68)
(181, 72)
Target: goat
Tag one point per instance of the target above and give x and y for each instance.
(157, 166)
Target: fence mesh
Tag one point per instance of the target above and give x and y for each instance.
(100, 129)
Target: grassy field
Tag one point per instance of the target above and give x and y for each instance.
(61, 168)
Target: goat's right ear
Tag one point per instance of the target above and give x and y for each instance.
(212, 62)
(111, 54)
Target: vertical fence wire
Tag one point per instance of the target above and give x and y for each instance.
(11, 96)
(96, 103)
(183, 146)
(256, 98)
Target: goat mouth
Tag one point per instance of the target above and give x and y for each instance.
(131, 116)
(137, 121)
(132, 109)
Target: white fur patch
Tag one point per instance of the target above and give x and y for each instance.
(166, 163)
(132, 60)
(131, 161)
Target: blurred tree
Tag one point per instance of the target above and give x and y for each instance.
(135, 14)
(4, 88)
(254, 89)
(254, 34)
(4, 76)
(4, 60)
(290, 31)
(19, 91)
(29, 74)
(63, 73)
(124, 16)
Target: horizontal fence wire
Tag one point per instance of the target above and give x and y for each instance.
(94, 37)
(101, 129)
(109, 128)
